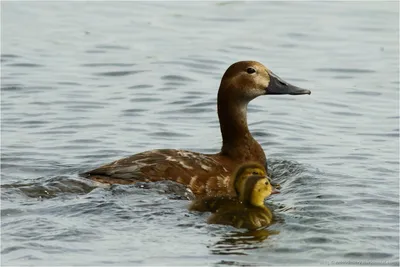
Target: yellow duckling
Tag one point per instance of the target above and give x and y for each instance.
(247, 209)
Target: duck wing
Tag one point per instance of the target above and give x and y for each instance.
(202, 173)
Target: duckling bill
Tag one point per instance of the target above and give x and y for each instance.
(247, 209)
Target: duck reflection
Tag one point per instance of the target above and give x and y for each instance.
(238, 242)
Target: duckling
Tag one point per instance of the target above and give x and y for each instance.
(211, 203)
(247, 209)
(249, 212)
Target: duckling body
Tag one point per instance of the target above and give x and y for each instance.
(242, 216)
(207, 174)
(214, 203)
(247, 209)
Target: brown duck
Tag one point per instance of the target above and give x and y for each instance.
(208, 174)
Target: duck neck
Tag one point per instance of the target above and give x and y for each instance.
(233, 122)
(237, 141)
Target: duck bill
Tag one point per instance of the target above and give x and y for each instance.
(275, 191)
(277, 86)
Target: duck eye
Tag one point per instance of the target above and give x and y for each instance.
(250, 70)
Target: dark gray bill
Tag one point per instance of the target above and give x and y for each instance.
(277, 86)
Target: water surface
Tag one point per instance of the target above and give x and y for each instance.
(83, 84)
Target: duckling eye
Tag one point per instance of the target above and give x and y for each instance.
(255, 173)
(251, 70)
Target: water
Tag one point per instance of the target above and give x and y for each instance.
(87, 83)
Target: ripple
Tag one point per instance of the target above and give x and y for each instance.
(196, 110)
(209, 61)
(179, 102)
(69, 83)
(380, 134)
(133, 111)
(348, 114)
(343, 77)
(11, 87)
(361, 92)
(85, 107)
(176, 78)
(345, 70)
(198, 93)
(94, 51)
(112, 47)
(203, 104)
(119, 73)
(9, 56)
(334, 104)
(168, 134)
(219, 19)
(317, 240)
(141, 86)
(107, 65)
(25, 65)
(11, 249)
(146, 99)
(84, 141)
(52, 188)
(368, 255)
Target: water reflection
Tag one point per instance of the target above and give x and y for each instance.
(237, 242)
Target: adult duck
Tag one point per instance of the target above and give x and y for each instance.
(208, 174)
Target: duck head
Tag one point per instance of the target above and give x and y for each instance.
(242, 82)
(252, 185)
(247, 80)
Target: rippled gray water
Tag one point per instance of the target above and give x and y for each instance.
(83, 84)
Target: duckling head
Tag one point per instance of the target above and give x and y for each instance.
(252, 185)
(256, 190)
(247, 80)
(245, 170)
